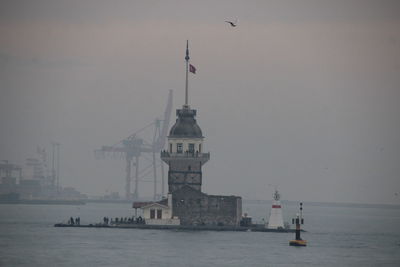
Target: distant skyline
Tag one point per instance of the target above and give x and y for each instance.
(302, 94)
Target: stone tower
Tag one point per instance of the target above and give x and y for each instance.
(185, 155)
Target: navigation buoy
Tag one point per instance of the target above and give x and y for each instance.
(298, 242)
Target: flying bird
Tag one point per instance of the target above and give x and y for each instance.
(233, 24)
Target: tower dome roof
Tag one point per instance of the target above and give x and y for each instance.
(186, 125)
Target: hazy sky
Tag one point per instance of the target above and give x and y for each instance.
(303, 94)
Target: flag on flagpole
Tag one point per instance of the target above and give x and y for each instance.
(192, 69)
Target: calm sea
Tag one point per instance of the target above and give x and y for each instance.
(337, 235)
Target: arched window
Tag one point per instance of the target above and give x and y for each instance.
(179, 148)
(191, 148)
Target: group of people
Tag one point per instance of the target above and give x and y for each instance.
(126, 220)
(108, 221)
(76, 221)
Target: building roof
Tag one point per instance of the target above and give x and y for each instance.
(186, 125)
(155, 204)
(138, 205)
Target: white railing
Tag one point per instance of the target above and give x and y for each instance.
(187, 154)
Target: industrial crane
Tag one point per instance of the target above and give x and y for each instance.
(133, 147)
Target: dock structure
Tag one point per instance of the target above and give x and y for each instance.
(176, 227)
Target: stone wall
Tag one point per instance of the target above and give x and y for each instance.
(196, 208)
(185, 172)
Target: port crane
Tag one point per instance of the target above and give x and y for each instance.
(133, 147)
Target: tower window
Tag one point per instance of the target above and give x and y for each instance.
(179, 148)
(170, 148)
(191, 148)
(199, 148)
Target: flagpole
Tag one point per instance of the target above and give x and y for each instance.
(187, 70)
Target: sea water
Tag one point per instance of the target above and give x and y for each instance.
(337, 235)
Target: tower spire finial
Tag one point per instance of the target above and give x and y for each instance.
(187, 50)
(187, 70)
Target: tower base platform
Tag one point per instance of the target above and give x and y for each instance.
(177, 227)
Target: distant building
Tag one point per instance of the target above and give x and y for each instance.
(70, 193)
(14, 186)
(29, 189)
(9, 185)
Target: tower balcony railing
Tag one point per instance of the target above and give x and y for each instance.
(186, 154)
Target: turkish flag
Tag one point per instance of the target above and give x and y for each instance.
(192, 69)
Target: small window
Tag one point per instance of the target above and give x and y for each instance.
(189, 168)
(152, 214)
(191, 148)
(199, 148)
(170, 148)
(179, 148)
(159, 214)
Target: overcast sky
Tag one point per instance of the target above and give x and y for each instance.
(303, 94)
